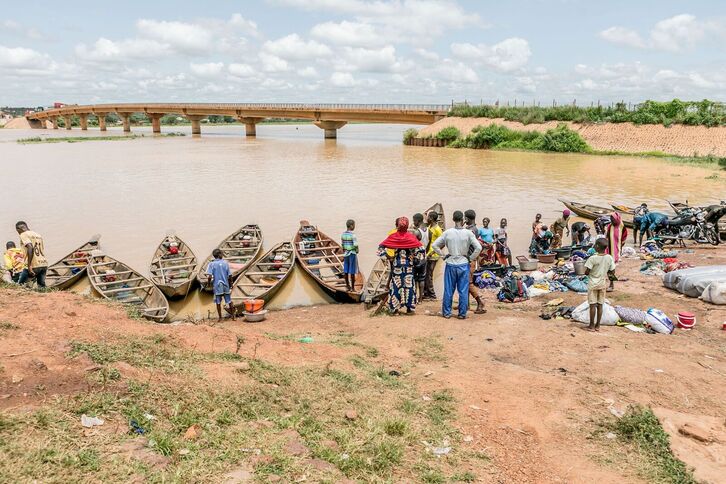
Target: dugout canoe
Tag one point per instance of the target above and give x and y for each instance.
(592, 212)
(265, 276)
(116, 281)
(439, 209)
(377, 283)
(322, 258)
(240, 249)
(173, 273)
(71, 268)
(623, 209)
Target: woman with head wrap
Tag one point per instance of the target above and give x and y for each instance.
(616, 234)
(407, 251)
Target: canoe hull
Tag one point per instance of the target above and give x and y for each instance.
(176, 292)
(254, 251)
(64, 274)
(163, 266)
(591, 212)
(323, 248)
(249, 282)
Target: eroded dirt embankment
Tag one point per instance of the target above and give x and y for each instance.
(625, 137)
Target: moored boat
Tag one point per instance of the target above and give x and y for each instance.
(116, 281)
(67, 271)
(623, 209)
(377, 283)
(591, 212)
(240, 249)
(265, 276)
(173, 266)
(322, 258)
(439, 209)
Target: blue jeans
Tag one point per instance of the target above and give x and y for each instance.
(456, 277)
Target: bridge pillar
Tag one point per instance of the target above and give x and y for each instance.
(155, 122)
(196, 125)
(250, 125)
(101, 121)
(330, 127)
(54, 122)
(83, 121)
(68, 122)
(126, 118)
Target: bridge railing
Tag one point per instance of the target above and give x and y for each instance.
(277, 106)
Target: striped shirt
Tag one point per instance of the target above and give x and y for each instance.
(349, 242)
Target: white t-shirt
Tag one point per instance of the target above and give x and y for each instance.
(599, 266)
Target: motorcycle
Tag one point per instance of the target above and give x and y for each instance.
(689, 224)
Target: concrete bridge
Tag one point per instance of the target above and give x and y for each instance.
(329, 117)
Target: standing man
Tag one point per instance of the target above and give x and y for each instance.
(32, 242)
(502, 253)
(434, 232)
(470, 221)
(420, 230)
(349, 242)
(463, 248)
(220, 278)
(560, 226)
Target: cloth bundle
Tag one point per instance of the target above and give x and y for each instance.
(653, 268)
(486, 280)
(630, 315)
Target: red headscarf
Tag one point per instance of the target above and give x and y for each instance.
(401, 238)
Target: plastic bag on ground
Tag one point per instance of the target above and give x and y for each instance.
(628, 252)
(631, 315)
(536, 291)
(658, 321)
(715, 293)
(582, 314)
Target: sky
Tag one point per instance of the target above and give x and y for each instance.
(361, 51)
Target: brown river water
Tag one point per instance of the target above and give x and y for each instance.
(133, 191)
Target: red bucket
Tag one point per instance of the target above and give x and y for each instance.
(686, 320)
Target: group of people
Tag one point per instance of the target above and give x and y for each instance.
(413, 251)
(26, 263)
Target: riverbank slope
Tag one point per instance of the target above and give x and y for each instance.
(515, 398)
(676, 140)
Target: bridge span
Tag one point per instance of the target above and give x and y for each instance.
(329, 117)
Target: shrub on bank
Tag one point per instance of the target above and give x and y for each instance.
(448, 134)
(494, 136)
(409, 134)
(694, 113)
(722, 163)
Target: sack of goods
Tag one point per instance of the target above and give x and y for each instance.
(609, 315)
(657, 320)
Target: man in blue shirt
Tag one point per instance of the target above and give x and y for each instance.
(650, 222)
(219, 276)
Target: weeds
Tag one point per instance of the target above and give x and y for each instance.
(409, 134)
(640, 428)
(75, 139)
(704, 113)
(429, 348)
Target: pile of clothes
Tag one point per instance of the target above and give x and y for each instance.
(650, 250)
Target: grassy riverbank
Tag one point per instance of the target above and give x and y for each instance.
(561, 139)
(690, 113)
(80, 139)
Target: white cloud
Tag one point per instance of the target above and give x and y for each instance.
(623, 36)
(506, 56)
(342, 79)
(13, 27)
(308, 72)
(247, 26)
(241, 70)
(21, 58)
(370, 60)
(272, 63)
(180, 36)
(345, 33)
(105, 50)
(208, 69)
(293, 48)
(673, 34)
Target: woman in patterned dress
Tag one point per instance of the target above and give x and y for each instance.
(407, 251)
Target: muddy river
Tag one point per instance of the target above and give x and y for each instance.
(133, 191)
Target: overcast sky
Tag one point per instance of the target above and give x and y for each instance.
(361, 51)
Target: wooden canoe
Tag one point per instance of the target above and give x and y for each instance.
(240, 249)
(322, 258)
(67, 271)
(592, 211)
(438, 208)
(623, 209)
(116, 281)
(173, 273)
(265, 276)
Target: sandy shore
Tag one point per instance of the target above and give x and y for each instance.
(528, 393)
(626, 137)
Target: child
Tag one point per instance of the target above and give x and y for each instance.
(600, 268)
(15, 263)
(219, 276)
(350, 260)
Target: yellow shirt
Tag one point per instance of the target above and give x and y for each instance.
(434, 233)
(15, 260)
(30, 237)
(391, 252)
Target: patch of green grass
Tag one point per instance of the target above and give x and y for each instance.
(641, 431)
(75, 139)
(464, 477)
(395, 427)
(429, 348)
(7, 326)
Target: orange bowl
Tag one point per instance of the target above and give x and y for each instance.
(254, 305)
